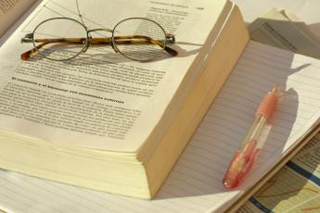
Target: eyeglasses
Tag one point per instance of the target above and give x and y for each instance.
(62, 39)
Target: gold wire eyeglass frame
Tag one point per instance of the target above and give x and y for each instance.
(87, 41)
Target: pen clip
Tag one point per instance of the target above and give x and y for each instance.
(241, 165)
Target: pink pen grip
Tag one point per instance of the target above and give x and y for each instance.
(268, 104)
(241, 165)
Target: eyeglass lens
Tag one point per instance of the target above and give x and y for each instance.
(60, 39)
(139, 39)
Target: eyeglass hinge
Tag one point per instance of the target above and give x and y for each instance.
(170, 39)
(27, 38)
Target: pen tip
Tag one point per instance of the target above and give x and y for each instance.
(229, 183)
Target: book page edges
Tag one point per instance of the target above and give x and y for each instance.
(75, 167)
(221, 60)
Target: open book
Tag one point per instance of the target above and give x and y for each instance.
(102, 121)
(195, 183)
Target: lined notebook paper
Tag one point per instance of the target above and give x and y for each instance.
(195, 184)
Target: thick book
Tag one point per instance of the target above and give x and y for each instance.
(101, 121)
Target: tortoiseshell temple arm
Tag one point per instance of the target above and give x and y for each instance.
(140, 39)
(43, 42)
(97, 41)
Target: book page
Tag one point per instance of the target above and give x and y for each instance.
(195, 183)
(101, 99)
(10, 11)
(295, 188)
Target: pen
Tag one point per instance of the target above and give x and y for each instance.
(247, 153)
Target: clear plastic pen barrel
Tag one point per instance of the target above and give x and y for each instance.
(245, 156)
(247, 153)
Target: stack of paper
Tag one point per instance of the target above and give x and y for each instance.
(284, 30)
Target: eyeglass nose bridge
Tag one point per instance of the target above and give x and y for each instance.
(87, 43)
(100, 29)
(113, 46)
